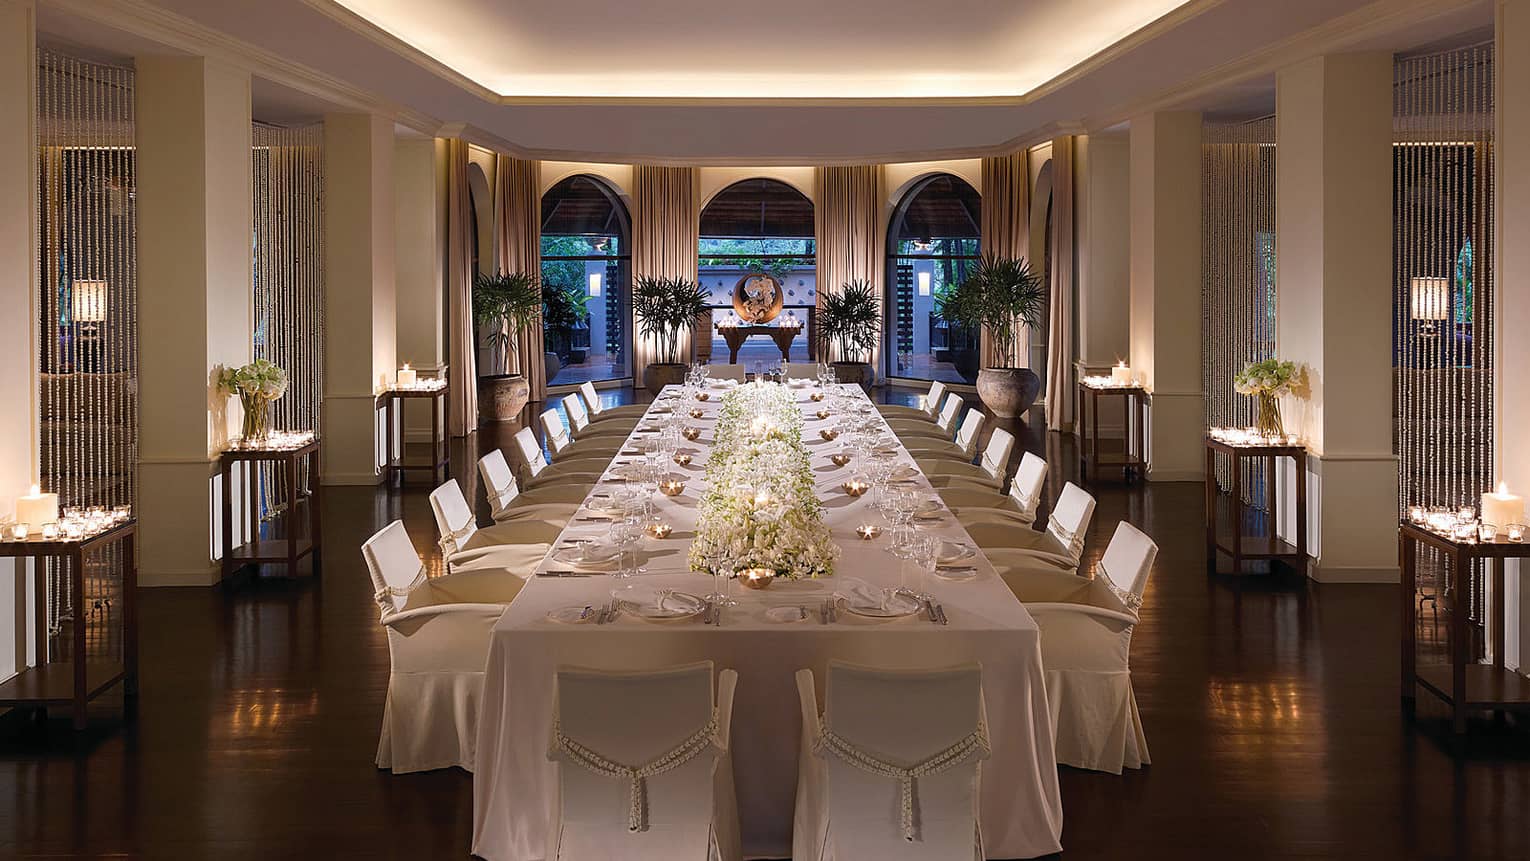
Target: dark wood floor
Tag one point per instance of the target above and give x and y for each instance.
(1271, 708)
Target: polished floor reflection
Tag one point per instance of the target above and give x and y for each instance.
(1271, 707)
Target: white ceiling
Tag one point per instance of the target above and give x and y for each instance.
(1212, 55)
(777, 49)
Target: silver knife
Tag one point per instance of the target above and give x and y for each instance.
(941, 612)
(929, 610)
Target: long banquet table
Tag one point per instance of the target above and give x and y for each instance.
(515, 785)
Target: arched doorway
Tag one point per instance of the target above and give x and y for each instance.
(752, 226)
(586, 272)
(933, 241)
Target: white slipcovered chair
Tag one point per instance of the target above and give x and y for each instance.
(599, 412)
(644, 767)
(726, 372)
(539, 473)
(963, 449)
(943, 429)
(590, 445)
(516, 547)
(892, 769)
(438, 641)
(582, 426)
(989, 472)
(928, 409)
(983, 504)
(1086, 642)
(507, 502)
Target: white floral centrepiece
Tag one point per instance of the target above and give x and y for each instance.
(760, 508)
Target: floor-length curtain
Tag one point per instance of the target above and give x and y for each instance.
(1006, 226)
(1059, 405)
(517, 248)
(666, 237)
(462, 364)
(848, 229)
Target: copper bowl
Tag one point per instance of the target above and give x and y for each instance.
(823, 414)
(855, 487)
(817, 396)
(690, 433)
(829, 434)
(839, 459)
(682, 459)
(698, 413)
(703, 396)
(671, 487)
(756, 578)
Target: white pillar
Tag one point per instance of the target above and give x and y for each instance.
(194, 303)
(1334, 246)
(419, 166)
(1165, 329)
(1511, 281)
(359, 336)
(18, 324)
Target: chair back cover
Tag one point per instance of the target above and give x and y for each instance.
(531, 453)
(394, 565)
(802, 370)
(591, 398)
(454, 518)
(1075, 508)
(932, 400)
(1025, 490)
(638, 721)
(967, 433)
(996, 454)
(576, 413)
(498, 481)
(557, 434)
(1127, 562)
(949, 412)
(726, 372)
(939, 731)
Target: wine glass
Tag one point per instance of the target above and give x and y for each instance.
(624, 534)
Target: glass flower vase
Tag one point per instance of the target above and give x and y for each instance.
(257, 417)
(1267, 415)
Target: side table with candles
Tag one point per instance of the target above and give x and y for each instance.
(1462, 683)
(1240, 445)
(1132, 459)
(82, 678)
(300, 536)
(392, 401)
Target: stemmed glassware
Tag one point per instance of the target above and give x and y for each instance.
(625, 533)
(901, 505)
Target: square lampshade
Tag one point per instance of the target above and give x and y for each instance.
(1429, 298)
(89, 301)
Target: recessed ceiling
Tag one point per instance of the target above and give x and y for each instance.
(783, 49)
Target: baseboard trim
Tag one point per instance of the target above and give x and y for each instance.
(188, 577)
(1354, 574)
(351, 479)
(1165, 475)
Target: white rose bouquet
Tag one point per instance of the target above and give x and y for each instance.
(1266, 382)
(257, 385)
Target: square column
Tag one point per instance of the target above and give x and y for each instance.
(1333, 214)
(1165, 328)
(419, 168)
(195, 217)
(18, 324)
(359, 318)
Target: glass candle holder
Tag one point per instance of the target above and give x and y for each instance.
(1415, 514)
(1516, 532)
(50, 531)
(73, 530)
(868, 531)
(1487, 533)
(19, 531)
(1466, 512)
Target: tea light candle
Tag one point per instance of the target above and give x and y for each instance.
(1502, 507)
(1121, 375)
(868, 531)
(660, 530)
(1516, 532)
(703, 396)
(37, 508)
(822, 414)
(855, 487)
(682, 459)
(1487, 532)
(407, 376)
(1465, 532)
(1416, 514)
(73, 530)
(756, 578)
(19, 532)
(698, 412)
(829, 434)
(671, 487)
(839, 458)
(690, 433)
(50, 532)
(816, 397)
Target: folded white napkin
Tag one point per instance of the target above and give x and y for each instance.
(652, 601)
(952, 551)
(859, 593)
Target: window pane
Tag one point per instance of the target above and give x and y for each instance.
(933, 243)
(585, 259)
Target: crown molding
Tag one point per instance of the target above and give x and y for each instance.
(182, 34)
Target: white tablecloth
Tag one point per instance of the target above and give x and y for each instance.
(515, 786)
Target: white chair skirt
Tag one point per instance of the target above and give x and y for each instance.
(1089, 689)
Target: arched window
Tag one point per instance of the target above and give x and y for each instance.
(586, 261)
(932, 243)
(758, 226)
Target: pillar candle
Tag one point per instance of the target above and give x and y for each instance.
(407, 375)
(1502, 507)
(37, 508)
(1121, 374)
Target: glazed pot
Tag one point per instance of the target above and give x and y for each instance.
(502, 397)
(1008, 392)
(859, 373)
(660, 374)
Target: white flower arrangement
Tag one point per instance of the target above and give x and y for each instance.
(259, 378)
(761, 509)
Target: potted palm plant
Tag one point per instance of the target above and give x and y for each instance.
(664, 308)
(510, 303)
(1001, 295)
(848, 327)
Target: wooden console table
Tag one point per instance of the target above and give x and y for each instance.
(1462, 683)
(1134, 406)
(735, 336)
(395, 464)
(1236, 544)
(79, 680)
(301, 538)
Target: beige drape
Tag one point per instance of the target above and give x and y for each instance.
(1059, 382)
(1006, 225)
(848, 227)
(517, 248)
(666, 238)
(462, 364)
